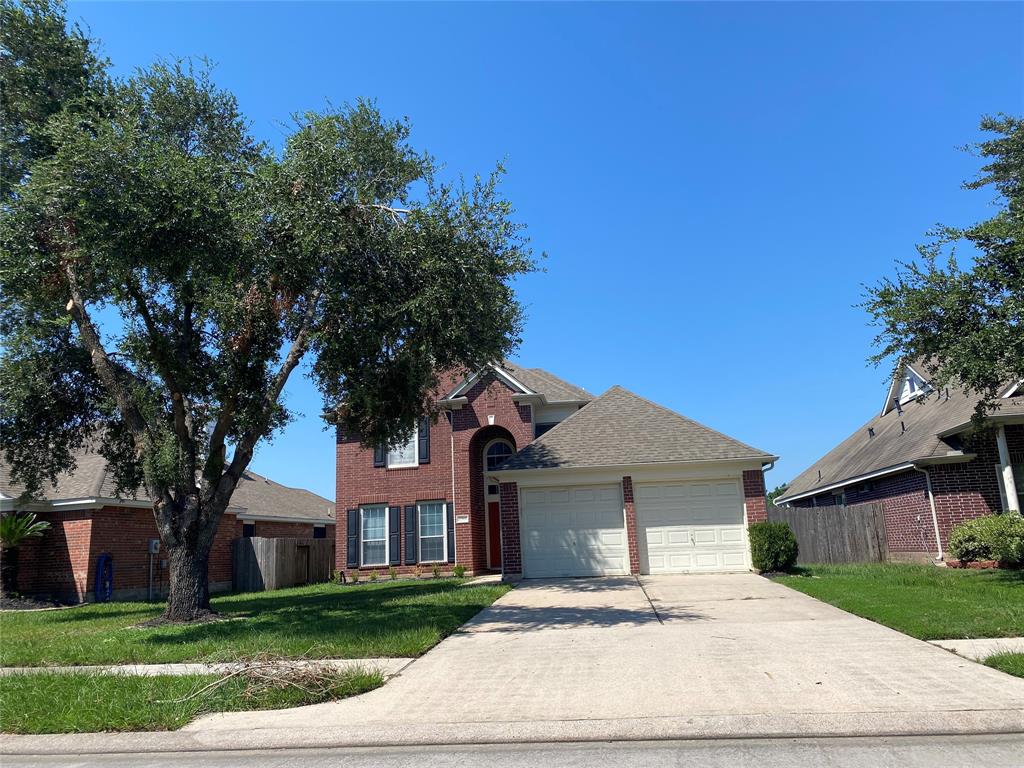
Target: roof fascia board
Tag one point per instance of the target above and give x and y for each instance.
(994, 418)
(1013, 389)
(469, 381)
(255, 518)
(848, 481)
(514, 475)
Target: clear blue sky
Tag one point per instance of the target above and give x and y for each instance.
(713, 183)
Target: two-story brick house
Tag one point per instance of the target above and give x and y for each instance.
(525, 474)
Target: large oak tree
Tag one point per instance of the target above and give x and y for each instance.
(965, 317)
(164, 274)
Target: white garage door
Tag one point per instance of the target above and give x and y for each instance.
(691, 527)
(575, 531)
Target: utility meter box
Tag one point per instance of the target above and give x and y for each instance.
(154, 546)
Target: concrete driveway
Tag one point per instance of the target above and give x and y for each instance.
(668, 657)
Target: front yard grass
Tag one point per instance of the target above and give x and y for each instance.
(401, 618)
(922, 601)
(55, 702)
(1010, 663)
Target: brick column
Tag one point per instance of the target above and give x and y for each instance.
(511, 555)
(753, 495)
(627, 501)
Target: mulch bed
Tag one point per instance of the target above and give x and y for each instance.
(17, 603)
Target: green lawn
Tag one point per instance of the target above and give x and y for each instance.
(402, 618)
(1010, 663)
(50, 702)
(921, 600)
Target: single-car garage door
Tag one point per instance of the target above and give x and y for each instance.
(691, 527)
(574, 531)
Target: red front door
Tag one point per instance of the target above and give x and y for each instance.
(494, 533)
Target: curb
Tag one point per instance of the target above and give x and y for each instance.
(752, 726)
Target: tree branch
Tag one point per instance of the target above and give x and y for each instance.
(108, 371)
(244, 449)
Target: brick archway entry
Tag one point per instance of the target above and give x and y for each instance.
(489, 447)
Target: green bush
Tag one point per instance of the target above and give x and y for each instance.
(772, 546)
(459, 571)
(993, 537)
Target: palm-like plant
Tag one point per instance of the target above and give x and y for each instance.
(15, 529)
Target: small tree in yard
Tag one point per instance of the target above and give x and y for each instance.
(966, 322)
(164, 275)
(15, 530)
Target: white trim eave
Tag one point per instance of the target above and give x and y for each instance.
(453, 403)
(905, 466)
(1013, 389)
(994, 418)
(570, 475)
(247, 517)
(94, 502)
(953, 457)
(469, 381)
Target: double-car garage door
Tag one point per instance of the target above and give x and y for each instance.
(681, 527)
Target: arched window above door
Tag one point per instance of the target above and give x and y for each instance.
(497, 452)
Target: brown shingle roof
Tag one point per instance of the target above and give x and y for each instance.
(898, 439)
(546, 383)
(255, 495)
(621, 428)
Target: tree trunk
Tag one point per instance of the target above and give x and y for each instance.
(189, 595)
(8, 571)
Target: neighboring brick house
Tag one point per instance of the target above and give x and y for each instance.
(924, 462)
(525, 474)
(89, 521)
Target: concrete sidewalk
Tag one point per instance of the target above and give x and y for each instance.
(386, 666)
(981, 649)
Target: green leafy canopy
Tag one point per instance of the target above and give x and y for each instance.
(164, 273)
(966, 320)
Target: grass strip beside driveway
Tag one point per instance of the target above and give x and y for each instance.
(1010, 663)
(386, 619)
(54, 702)
(923, 601)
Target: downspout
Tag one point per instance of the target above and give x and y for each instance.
(935, 517)
(451, 425)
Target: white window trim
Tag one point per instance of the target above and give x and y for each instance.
(362, 539)
(444, 531)
(415, 453)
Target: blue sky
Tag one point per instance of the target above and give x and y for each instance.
(713, 183)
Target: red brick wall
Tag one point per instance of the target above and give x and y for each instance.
(57, 563)
(962, 492)
(62, 563)
(511, 552)
(753, 496)
(631, 535)
(359, 482)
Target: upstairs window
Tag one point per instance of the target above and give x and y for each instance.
(404, 454)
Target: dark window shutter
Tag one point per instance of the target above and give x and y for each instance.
(411, 544)
(395, 536)
(353, 538)
(378, 456)
(424, 437)
(451, 531)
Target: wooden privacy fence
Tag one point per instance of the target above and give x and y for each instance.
(260, 563)
(854, 534)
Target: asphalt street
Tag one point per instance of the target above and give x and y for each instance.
(996, 751)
